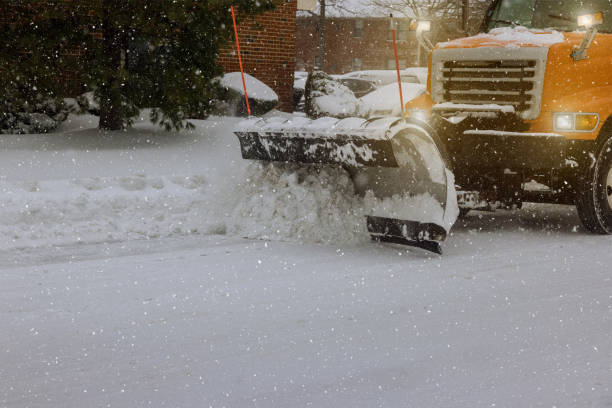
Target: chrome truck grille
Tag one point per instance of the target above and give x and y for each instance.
(501, 76)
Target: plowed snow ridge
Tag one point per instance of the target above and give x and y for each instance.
(277, 202)
(310, 204)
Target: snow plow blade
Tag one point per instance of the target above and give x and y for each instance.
(397, 165)
(348, 142)
(412, 233)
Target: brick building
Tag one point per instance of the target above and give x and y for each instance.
(353, 44)
(267, 45)
(359, 37)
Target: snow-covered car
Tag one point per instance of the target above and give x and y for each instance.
(380, 77)
(359, 86)
(364, 82)
(262, 98)
(385, 100)
(419, 72)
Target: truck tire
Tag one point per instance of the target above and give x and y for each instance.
(594, 198)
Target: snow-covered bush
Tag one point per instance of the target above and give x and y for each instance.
(328, 97)
(39, 116)
(88, 102)
(262, 98)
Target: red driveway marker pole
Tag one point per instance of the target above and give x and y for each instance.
(397, 67)
(246, 96)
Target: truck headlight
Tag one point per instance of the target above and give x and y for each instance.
(575, 122)
(564, 121)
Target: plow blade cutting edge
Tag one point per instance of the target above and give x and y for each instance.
(396, 160)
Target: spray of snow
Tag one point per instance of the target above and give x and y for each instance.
(292, 202)
(319, 204)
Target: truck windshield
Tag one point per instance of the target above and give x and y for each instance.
(547, 14)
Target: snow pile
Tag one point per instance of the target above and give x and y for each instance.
(102, 209)
(386, 100)
(510, 37)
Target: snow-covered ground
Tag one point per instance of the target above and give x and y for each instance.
(125, 281)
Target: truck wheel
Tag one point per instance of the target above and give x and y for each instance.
(594, 200)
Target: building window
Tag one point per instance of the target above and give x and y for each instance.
(402, 28)
(391, 64)
(317, 62)
(357, 64)
(358, 30)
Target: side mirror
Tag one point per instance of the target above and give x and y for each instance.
(590, 22)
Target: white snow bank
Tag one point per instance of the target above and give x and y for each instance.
(277, 202)
(386, 99)
(56, 212)
(511, 37)
(255, 88)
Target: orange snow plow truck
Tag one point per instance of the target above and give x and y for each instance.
(521, 112)
(529, 100)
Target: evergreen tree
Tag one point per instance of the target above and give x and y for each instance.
(136, 53)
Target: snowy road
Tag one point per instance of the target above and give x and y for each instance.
(220, 321)
(124, 282)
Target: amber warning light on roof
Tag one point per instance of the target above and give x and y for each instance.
(590, 20)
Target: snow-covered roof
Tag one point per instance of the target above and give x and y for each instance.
(359, 8)
(255, 88)
(386, 99)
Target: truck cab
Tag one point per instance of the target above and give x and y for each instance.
(528, 102)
